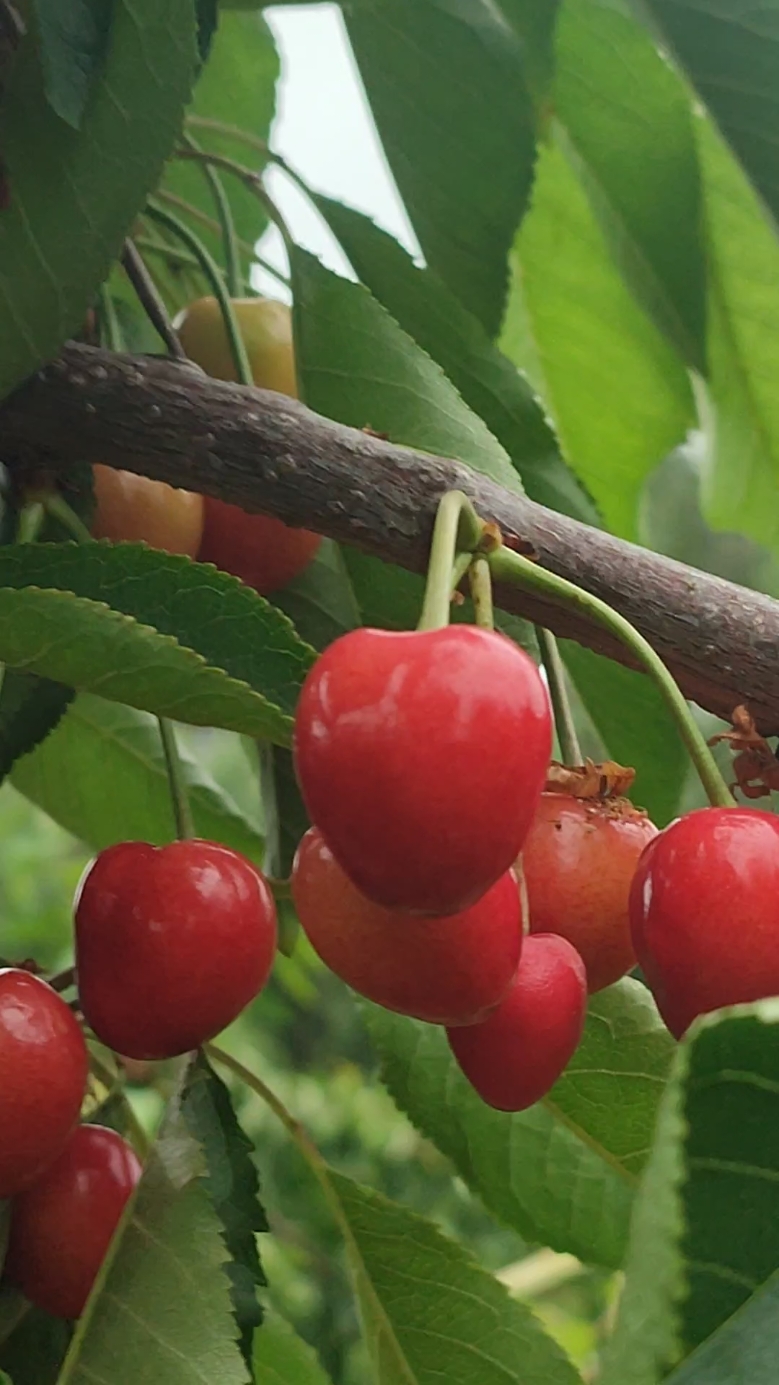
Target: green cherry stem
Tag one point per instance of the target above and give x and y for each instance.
(570, 750)
(110, 329)
(150, 300)
(508, 566)
(30, 522)
(182, 812)
(225, 218)
(180, 204)
(457, 529)
(57, 506)
(480, 581)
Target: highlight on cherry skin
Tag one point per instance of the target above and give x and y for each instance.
(446, 970)
(421, 756)
(62, 1226)
(515, 1056)
(703, 912)
(43, 1077)
(579, 859)
(172, 943)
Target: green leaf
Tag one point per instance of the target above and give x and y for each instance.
(628, 118)
(162, 1311)
(530, 1170)
(120, 791)
(73, 37)
(743, 1351)
(283, 1358)
(618, 394)
(731, 55)
(74, 194)
(320, 602)
(430, 1313)
(153, 630)
(488, 382)
(358, 366)
(740, 478)
(233, 1187)
(448, 95)
(30, 708)
(33, 1353)
(238, 87)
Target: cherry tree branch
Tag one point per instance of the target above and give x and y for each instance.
(271, 454)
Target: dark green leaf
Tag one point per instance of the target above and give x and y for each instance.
(744, 1351)
(488, 382)
(102, 776)
(320, 602)
(233, 1186)
(457, 124)
(35, 1350)
(75, 193)
(207, 20)
(533, 21)
(73, 37)
(30, 708)
(153, 630)
(283, 1358)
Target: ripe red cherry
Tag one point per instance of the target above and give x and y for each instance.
(171, 943)
(262, 551)
(579, 858)
(516, 1055)
(444, 970)
(421, 757)
(61, 1228)
(43, 1077)
(703, 912)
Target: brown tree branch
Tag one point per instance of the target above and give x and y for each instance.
(271, 454)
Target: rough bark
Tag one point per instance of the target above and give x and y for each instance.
(271, 454)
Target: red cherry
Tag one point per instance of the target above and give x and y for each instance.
(579, 858)
(444, 970)
(171, 943)
(421, 756)
(703, 912)
(516, 1055)
(43, 1077)
(62, 1227)
(262, 551)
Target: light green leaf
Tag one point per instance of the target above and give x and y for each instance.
(430, 1313)
(283, 1358)
(617, 393)
(152, 630)
(530, 1170)
(74, 194)
(30, 708)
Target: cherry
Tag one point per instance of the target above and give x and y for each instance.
(443, 970)
(43, 1077)
(262, 551)
(703, 912)
(62, 1227)
(579, 858)
(421, 756)
(140, 510)
(515, 1056)
(172, 943)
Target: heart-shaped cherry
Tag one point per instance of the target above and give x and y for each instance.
(515, 1056)
(445, 970)
(43, 1077)
(421, 757)
(62, 1227)
(703, 912)
(172, 943)
(579, 858)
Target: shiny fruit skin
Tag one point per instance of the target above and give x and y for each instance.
(61, 1228)
(703, 912)
(421, 755)
(579, 858)
(43, 1077)
(515, 1056)
(172, 943)
(139, 510)
(443, 970)
(262, 551)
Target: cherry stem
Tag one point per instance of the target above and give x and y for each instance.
(480, 581)
(570, 750)
(30, 522)
(271, 860)
(457, 530)
(112, 1080)
(110, 330)
(224, 215)
(150, 300)
(181, 205)
(215, 277)
(59, 509)
(508, 566)
(182, 813)
(63, 980)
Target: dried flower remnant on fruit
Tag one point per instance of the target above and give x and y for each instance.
(590, 780)
(755, 765)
